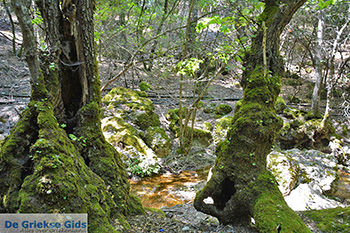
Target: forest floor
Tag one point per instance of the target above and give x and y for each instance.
(14, 96)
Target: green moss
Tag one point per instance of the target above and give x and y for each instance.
(133, 106)
(262, 89)
(238, 105)
(331, 220)
(158, 141)
(201, 104)
(202, 137)
(208, 126)
(311, 115)
(147, 119)
(158, 211)
(122, 132)
(132, 99)
(14, 155)
(270, 209)
(280, 105)
(209, 110)
(144, 86)
(2, 120)
(222, 126)
(223, 109)
(345, 130)
(268, 13)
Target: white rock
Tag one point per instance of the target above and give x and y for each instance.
(304, 177)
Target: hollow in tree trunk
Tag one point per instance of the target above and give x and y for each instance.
(241, 187)
(56, 159)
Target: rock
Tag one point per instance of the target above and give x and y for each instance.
(285, 169)
(342, 187)
(208, 126)
(298, 132)
(132, 106)
(129, 120)
(201, 137)
(306, 177)
(158, 141)
(221, 128)
(223, 109)
(146, 119)
(139, 158)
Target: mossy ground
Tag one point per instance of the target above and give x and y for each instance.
(331, 220)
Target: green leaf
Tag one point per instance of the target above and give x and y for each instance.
(72, 137)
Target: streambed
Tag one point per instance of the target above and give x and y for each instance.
(169, 189)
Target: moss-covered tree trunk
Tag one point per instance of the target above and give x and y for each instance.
(56, 158)
(240, 186)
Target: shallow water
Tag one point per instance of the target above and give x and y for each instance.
(168, 189)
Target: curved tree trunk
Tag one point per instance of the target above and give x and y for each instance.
(56, 158)
(240, 186)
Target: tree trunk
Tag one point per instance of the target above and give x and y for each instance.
(315, 104)
(56, 158)
(241, 187)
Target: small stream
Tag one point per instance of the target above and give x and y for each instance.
(169, 189)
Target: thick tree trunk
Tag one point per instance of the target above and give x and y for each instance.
(56, 158)
(240, 186)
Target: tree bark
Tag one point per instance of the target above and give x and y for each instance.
(315, 103)
(56, 158)
(241, 187)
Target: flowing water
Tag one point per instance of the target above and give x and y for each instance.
(169, 189)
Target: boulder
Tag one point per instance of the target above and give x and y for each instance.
(308, 177)
(158, 141)
(139, 158)
(301, 131)
(221, 128)
(132, 127)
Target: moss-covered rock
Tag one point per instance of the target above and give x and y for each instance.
(223, 109)
(221, 127)
(158, 141)
(210, 109)
(132, 127)
(144, 86)
(208, 126)
(138, 157)
(285, 170)
(132, 106)
(301, 132)
(201, 137)
(146, 119)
